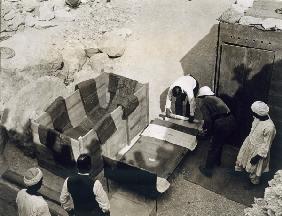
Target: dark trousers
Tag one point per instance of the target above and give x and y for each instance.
(222, 129)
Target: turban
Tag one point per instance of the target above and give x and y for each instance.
(260, 108)
(32, 176)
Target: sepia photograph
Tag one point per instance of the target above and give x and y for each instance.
(141, 108)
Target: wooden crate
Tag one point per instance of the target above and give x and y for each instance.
(88, 141)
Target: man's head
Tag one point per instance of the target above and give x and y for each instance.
(33, 179)
(205, 91)
(260, 109)
(84, 163)
(176, 91)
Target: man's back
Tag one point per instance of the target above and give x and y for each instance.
(31, 205)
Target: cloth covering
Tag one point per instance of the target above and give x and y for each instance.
(128, 104)
(59, 115)
(258, 142)
(170, 135)
(106, 129)
(88, 94)
(31, 205)
(32, 176)
(260, 108)
(122, 94)
(59, 144)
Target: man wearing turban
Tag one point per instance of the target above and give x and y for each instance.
(254, 154)
(29, 202)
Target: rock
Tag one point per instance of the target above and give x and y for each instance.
(91, 48)
(59, 4)
(63, 15)
(74, 57)
(17, 21)
(45, 24)
(73, 3)
(112, 44)
(30, 5)
(123, 32)
(31, 101)
(46, 11)
(100, 63)
(6, 52)
(35, 54)
(10, 15)
(30, 20)
(85, 74)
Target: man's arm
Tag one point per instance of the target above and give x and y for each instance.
(168, 101)
(66, 199)
(101, 197)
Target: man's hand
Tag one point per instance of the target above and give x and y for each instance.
(191, 119)
(71, 212)
(255, 159)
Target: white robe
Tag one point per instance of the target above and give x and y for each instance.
(258, 142)
(31, 205)
(187, 84)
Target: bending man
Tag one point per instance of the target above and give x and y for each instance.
(184, 90)
(219, 123)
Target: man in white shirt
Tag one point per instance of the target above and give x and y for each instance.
(29, 202)
(83, 196)
(184, 89)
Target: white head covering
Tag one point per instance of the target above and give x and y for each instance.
(260, 108)
(32, 176)
(205, 91)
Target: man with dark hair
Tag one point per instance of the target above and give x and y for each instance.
(219, 124)
(83, 196)
(29, 202)
(184, 90)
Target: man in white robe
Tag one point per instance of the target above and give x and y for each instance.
(254, 154)
(29, 202)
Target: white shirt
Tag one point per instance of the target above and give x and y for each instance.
(187, 84)
(31, 205)
(100, 194)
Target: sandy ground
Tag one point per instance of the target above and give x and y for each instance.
(163, 32)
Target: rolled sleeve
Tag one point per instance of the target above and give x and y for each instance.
(101, 196)
(65, 197)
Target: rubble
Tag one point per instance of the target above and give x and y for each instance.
(91, 48)
(74, 57)
(63, 15)
(112, 44)
(30, 21)
(44, 24)
(10, 15)
(46, 11)
(271, 204)
(6, 53)
(100, 63)
(22, 106)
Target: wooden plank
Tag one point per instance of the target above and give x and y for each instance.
(45, 119)
(119, 139)
(155, 155)
(75, 108)
(250, 36)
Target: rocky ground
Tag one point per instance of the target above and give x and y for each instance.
(47, 47)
